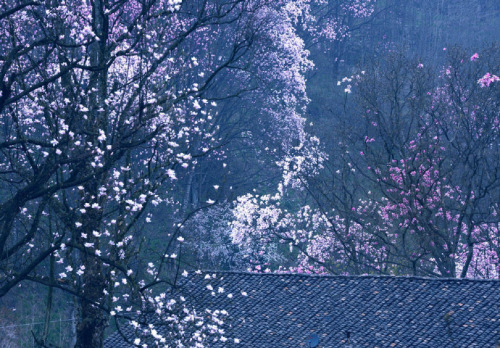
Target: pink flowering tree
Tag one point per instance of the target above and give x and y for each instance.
(248, 163)
(433, 160)
(440, 182)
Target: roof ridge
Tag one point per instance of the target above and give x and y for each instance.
(381, 276)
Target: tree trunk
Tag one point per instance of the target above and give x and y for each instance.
(92, 320)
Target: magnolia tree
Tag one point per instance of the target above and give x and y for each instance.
(415, 186)
(440, 181)
(260, 146)
(104, 107)
(101, 103)
(261, 125)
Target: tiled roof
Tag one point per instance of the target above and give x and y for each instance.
(282, 310)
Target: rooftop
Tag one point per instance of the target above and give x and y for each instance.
(283, 310)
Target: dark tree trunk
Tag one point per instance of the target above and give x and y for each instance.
(92, 320)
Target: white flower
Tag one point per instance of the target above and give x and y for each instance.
(171, 174)
(180, 239)
(236, 340)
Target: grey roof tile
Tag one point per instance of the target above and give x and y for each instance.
(282, 310)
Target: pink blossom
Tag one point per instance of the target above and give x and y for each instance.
(487, 79)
